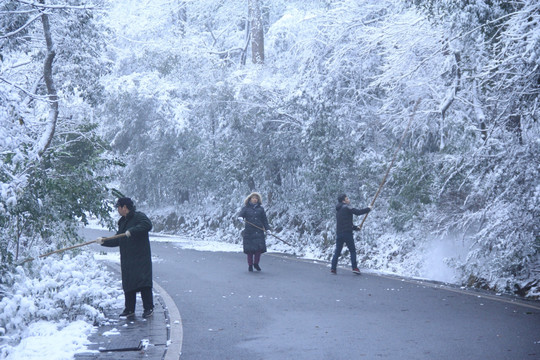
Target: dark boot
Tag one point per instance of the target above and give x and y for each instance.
(257, 267)
(127, 314)
(147, 313)
(250, 268)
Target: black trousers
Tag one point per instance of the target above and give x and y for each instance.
(146, 296)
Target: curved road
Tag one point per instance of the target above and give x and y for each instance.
(296, 309)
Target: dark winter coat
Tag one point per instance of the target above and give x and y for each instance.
(344, 217)
(254, 239)
(135, 254)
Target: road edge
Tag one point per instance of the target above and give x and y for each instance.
(176, 335)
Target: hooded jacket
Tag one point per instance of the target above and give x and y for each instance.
(344, 217)
(254, 238)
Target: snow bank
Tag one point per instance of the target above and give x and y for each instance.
(47, 298)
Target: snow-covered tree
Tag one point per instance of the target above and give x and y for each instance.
(51, 158)
(196, 123)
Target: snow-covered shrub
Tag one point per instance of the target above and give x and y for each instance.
(70, 289)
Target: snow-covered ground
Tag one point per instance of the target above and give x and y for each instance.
(58, 338)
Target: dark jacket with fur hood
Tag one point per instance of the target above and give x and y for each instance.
(254, 238)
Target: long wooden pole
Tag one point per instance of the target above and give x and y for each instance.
(277, 237)
(392, 162)
(74, 247)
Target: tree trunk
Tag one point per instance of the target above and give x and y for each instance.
(450, 98)
(480, 116)
(47, 136)
(257, 32)
(513, 124)
(246, 46)
(251, 183)
(181, 18)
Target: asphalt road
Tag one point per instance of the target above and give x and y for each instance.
(296, 309)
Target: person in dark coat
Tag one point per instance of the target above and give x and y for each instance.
(256, 226)
(344, 231)
(135, 257)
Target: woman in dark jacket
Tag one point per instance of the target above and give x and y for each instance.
(256, 226)
(135, 257)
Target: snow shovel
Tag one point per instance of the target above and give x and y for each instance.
(73, 247)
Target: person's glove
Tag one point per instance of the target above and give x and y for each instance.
(100, 240)
(370, 207)
(268, 231)
(355, 228)
(128, 234)
(241, 219)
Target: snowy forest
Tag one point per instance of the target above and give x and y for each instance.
(188, 106)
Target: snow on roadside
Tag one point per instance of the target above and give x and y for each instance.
(52, 341)
(48, 306)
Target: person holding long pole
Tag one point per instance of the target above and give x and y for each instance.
(135, 257)
(256, 227)
(345, 212)
(344, 231)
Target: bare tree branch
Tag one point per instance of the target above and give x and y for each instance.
(28, 93)
(21, 28)
(45, 6)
